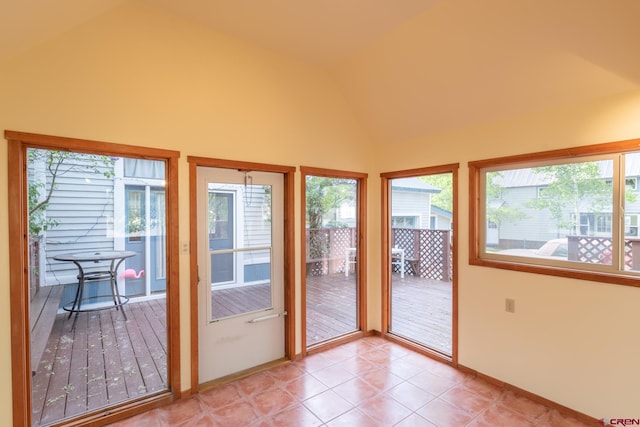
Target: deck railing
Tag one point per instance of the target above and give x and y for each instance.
(428, 250)
(597, 250)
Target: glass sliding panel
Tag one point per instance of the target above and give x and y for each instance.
(240, 249)
(554, 213)
(100, 249)
(332, 258)
(421, 260)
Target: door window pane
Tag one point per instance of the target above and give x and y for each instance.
(240, 250)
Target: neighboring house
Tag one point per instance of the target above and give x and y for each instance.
(80, 214)
(441, 219)
(522, 185)
(115, 205)
(120, 205)
(411, 203)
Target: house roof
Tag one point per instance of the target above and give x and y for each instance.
(527, 178)
(441, 212)
(408, 68)
(413, 185)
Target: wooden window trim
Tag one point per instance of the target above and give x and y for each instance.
(361, 266)
(475, 226)
(288, 173)
(18, 142)
(385, 260)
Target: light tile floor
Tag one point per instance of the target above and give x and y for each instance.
(369, 382)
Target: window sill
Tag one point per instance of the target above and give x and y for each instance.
(595, 276)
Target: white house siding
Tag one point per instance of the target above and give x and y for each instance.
(412, 203)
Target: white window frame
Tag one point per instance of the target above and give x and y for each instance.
(416, 219)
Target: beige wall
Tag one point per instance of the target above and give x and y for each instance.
(139, 76)
(571, 341)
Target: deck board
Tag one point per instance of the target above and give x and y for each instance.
(422, 311)
(232, 301)
(77, 396)
(331, 307)
(102, 361)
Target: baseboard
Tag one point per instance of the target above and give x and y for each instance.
(531, 396)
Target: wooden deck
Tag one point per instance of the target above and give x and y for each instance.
(331, 307)
(232, 301)
(421, 309)
(103, 361)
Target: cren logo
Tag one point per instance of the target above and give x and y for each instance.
(619, 421)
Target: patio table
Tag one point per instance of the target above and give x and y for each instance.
(89, 261)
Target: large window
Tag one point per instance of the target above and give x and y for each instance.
(93, 279)
(565, 212)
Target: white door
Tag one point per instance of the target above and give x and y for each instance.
(240, 226)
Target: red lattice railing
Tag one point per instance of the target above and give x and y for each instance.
(428, 253)
(326, 249)
(598, 250)
(430, 250)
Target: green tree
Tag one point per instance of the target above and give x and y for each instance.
(443, 199)
(325, 195)
(573, 188)
(497, 210)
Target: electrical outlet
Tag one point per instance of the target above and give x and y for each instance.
(510, 305)
(184, 248)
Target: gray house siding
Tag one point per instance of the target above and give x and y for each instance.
(538, 226)
(255, 217)
(522, 185)
(82, 204)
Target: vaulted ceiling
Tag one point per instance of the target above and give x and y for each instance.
(409, 68)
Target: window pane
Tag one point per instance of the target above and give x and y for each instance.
(631, 211)
(421, 261)
(239, 224)
(332, 257)
(559, 212)
(101, 265)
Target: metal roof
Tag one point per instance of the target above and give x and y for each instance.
(413, 184)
